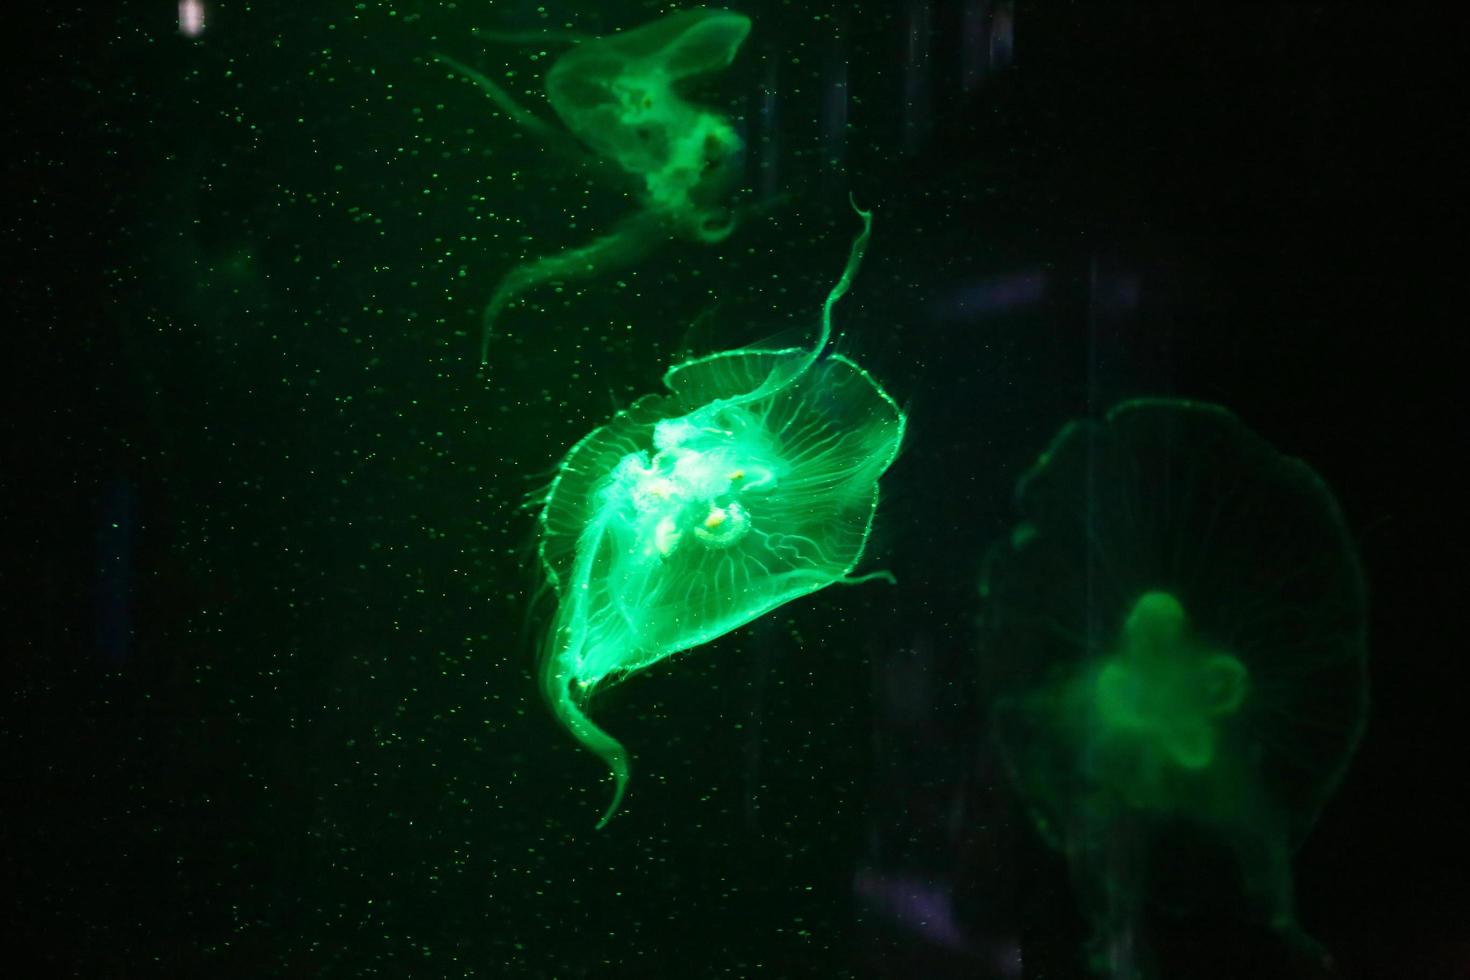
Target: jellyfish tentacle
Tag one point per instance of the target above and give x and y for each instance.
(844, 283)
(882, 575)
(517, 113)
(630, 241)
(557, 684)
(855, 254)
(531, 37)
(849, 272)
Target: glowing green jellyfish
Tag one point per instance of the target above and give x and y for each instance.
(621, 96)
(753, 482)
(1175, 639)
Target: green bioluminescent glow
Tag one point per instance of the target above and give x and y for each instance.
(753, 482)
(620, 95)
(1174, 638)
(1165, 691)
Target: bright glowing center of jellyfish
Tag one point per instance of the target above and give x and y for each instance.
(1166, 685)
(697, 487)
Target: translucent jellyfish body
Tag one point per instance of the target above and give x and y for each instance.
(621, 96)
(1175, 640)
(752, 482)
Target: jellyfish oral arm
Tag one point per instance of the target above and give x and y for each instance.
(566, 681)
(1165, 687)
(563, 692)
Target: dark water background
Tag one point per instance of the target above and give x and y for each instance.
(269, 707)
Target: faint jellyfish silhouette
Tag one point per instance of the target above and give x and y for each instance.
(1174, 637)
(621, 96)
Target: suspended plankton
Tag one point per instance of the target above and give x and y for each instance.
(1175, 639)
(621, 96)
(752, 482)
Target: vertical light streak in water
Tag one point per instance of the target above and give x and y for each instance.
(740, 122)
(191, 17)
(974, 44)
(987, 30)
(1096, 352)
(1114, 360)
(770, 156)
(1002, 35)
(115, 571)
(1008, 293)
(834, 110)
(916, 113)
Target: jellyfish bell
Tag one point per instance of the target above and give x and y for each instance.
(621, 94)
(1174, 641)
(751, 482)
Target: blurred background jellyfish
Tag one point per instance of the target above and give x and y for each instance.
(1174, 640)
(752, 482)
(621, 96)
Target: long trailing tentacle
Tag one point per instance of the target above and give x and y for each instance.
(530, 37)
(849, 271)
(557, 685)
(631, 241)
(502, 99)
(777, 381)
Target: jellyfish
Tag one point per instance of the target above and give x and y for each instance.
(752, 482)
(621, 96)
(1174, 640)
